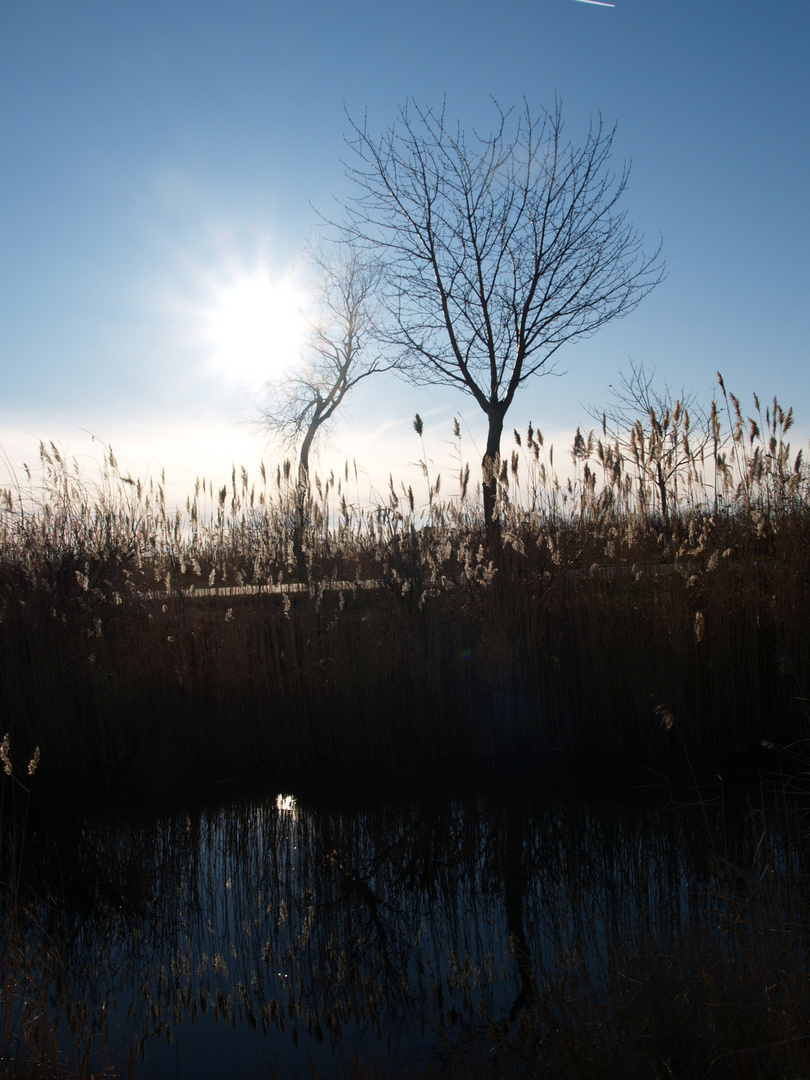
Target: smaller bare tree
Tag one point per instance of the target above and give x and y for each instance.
(664, 436)
(340, 351)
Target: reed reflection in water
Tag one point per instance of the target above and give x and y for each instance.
(270, 932)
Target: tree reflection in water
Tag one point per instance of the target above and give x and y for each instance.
(289, 928)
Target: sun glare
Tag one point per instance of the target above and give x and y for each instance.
(256, 328)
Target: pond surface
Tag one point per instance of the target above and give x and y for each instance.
(316, 922)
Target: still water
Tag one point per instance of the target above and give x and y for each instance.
(314, 922)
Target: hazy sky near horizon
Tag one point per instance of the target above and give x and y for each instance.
(159, 158)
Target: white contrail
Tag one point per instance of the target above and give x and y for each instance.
(599, 3)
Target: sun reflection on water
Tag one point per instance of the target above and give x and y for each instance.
(286, 804)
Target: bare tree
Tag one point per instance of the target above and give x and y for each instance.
(497, 249)
(655, 431)
(340, 351)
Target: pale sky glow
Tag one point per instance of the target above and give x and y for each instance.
(163, 165)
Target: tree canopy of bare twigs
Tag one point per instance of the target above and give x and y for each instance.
(341, 350)
(497, 249)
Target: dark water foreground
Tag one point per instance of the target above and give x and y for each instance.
(412, 922)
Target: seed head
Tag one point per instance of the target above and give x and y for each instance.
(5, 755)
(665, 717)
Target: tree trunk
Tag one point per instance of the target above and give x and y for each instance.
(662, 492)
(301, 493)
(490, 466)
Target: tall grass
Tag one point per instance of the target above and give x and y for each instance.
(656, 599)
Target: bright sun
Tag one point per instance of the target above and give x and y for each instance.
(256, 328)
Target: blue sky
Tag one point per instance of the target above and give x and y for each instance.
(157, 154)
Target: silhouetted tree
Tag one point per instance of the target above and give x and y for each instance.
(656, 432)
(497, 250)
(341, 349)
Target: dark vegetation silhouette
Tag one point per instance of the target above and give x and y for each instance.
(611, 617)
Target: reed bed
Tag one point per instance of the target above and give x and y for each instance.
(656, 600)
